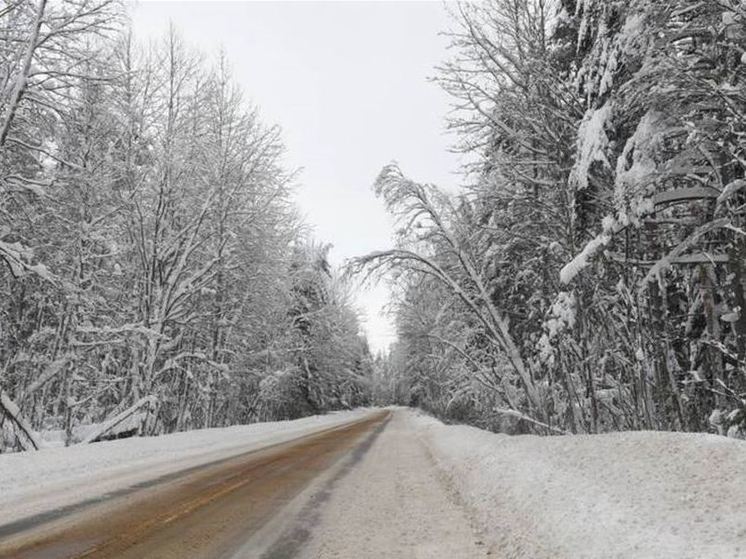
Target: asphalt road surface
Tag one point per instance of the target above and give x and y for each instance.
(235, 508)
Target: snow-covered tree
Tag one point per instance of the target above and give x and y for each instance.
(601, 212)
(152, 267)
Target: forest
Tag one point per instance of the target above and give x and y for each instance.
(589, 277)
(155, 274)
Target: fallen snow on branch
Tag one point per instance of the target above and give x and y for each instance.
(591, 145)
(632, 495)
(581, 261)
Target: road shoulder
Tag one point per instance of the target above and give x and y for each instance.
(392, 504)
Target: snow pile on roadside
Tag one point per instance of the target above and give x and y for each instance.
(33, 482)
(624, 495)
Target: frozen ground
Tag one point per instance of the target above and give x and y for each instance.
(632, 495)
(33, 482)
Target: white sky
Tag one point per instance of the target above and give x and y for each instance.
(347, 82)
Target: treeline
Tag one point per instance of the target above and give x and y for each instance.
(154, 274)
(590, 276)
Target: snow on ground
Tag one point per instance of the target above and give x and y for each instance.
(633, 495)
(34, 482)
(392, 504)
(427, 490)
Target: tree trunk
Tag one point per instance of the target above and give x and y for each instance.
(11, 410)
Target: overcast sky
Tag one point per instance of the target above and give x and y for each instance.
(347, 82)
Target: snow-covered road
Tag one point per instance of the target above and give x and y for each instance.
(393, 503)
(402, 485)
(425, 489)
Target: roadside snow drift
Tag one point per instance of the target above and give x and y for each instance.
(624, 495)
(34, 482)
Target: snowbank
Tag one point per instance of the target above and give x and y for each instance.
(624, 495)
(34, 482)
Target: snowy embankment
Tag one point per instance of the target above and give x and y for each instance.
(34, 482)
(624, 495)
